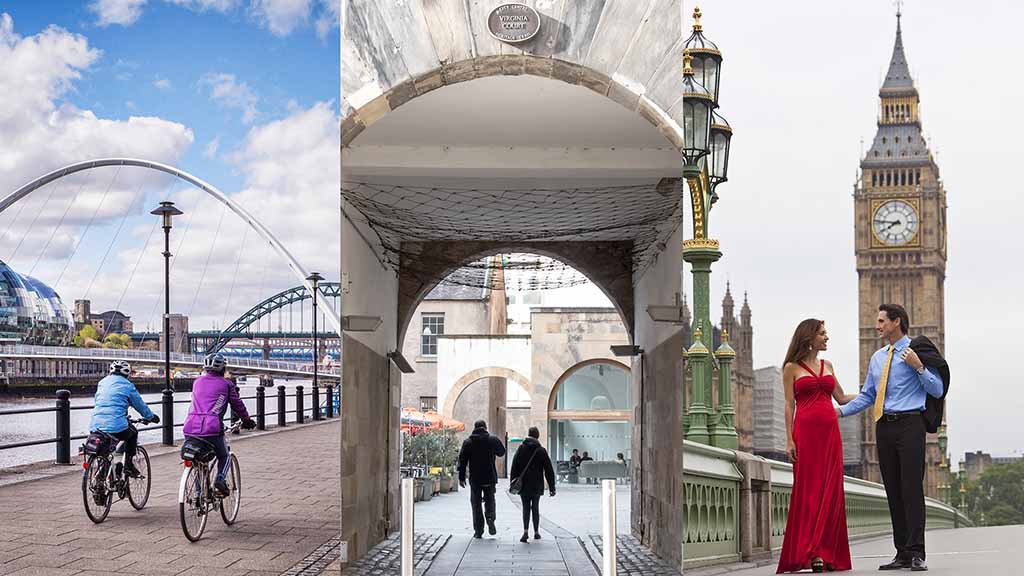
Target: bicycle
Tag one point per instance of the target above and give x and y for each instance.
(196, 495)
(102, 478)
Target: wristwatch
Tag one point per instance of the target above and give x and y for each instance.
(920, 370)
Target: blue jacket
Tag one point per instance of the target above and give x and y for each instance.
(113, 396)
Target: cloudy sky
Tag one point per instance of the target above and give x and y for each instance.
(241, 93)
(799, 86)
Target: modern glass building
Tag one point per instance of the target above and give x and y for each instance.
(31, 312)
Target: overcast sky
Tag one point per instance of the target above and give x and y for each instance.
(800, 87)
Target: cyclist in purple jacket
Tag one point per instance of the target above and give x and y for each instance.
(211, 394)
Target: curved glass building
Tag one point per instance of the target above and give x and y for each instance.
(31, 312)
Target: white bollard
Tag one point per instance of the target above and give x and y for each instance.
(408, 528)
(608, 528)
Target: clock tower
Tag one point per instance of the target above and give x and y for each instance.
(900, 212)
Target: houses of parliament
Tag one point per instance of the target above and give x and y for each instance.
(900, 227)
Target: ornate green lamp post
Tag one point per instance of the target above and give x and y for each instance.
(944, 480)
(723, 434)
(705, 165)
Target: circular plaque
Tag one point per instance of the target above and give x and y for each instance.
(513, 23)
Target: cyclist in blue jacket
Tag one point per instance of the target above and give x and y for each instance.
(114, 394)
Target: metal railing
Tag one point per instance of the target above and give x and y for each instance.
(62, 416)
(155, 357)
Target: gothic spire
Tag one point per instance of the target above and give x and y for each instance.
(897, 79)
(745, 311)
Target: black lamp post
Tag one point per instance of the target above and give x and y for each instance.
(167, 211)
(315, 278)
(697, 105)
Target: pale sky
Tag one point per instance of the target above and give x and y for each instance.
(800, 87)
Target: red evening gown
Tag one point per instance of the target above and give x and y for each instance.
(817, 509)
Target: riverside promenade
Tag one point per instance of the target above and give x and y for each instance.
(290, 516)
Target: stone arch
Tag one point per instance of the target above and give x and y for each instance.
(472, 376)
(605, 263)
(571, 370)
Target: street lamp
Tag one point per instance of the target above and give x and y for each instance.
(705, 151)
(315, 278)
(167, 211)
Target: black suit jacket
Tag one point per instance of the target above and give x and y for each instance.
(932, 358)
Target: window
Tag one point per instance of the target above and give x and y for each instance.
(433, 326)
(428, 403)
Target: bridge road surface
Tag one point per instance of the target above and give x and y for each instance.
(993, 551)
(290, 506)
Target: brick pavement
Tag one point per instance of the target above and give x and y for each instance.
(385, 558)
(290, 507)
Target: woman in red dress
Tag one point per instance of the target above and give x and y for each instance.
(816, 528)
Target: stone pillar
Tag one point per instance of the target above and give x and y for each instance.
(497, 398)
(755, 507)
(723, 432)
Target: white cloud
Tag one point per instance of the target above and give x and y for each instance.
(204, 5)
(42, 132)
(228, 92)
(212, 147)
(162, 83)
(281, 17)
(122, 12)
(329, 18)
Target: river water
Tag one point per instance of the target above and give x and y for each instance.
(22, 427)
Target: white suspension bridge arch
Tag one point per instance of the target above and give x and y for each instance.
(297, 269)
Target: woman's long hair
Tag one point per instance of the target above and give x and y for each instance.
(800, 345)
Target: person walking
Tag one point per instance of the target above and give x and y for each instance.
(815, 536)
(478, 454)
(532, 466)
(897, 387)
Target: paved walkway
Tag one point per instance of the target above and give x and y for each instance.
(290, 507)
(996, 551)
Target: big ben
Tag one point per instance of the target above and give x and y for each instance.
(900, 212)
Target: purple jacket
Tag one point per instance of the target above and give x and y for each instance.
(210, 397)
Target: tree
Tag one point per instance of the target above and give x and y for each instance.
(114, 340)
(997, 497)
(86, 334)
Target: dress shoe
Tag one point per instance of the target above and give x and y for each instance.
(525, 538)
(478, 535)
(896, 564)
(536, 535)
(918, 565)
(491, 528)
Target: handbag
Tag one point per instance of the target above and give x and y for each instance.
(516, 485)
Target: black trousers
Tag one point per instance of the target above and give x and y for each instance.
(130, 436)
(531, 507)
(900, 446)
(481, 499)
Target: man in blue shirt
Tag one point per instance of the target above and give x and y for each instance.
(114, 394)
(895, 390)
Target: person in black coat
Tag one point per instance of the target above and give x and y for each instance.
(478, 453)
(533, 465)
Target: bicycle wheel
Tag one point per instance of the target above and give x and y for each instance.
(95, 495)
(192, 502)
(138, 488)
(229, 506)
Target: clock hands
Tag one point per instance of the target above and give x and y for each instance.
(890, 223)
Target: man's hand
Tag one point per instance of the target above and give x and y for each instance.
(910, 357)
(839, 412)
(462, 483)
(248, 424)
(791, 450)
(155, 419)
(551, 493)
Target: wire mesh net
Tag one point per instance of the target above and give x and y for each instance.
(404, 218)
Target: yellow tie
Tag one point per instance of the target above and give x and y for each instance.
(880, 393)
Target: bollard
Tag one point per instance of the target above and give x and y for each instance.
(408, 529)
(63, 427)
(167, 418)
(261, 408)
(282, 411)
(299, 418)
(608, 528)
(330, 401)
(316, 401)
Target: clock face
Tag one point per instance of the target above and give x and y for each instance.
(895, 223)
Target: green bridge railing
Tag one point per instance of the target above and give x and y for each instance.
(736, 504)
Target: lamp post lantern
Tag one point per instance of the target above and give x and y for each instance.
(167, 212)
(315, 278)
(706, 146)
